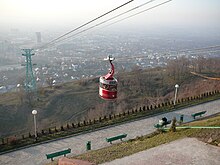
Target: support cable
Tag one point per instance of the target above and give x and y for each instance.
(90, 22)
(82, 31)
(160, 4)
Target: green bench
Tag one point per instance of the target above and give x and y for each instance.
(55, 154)
(198, 114)
(111, 139)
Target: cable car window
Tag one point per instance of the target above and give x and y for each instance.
(104, 86)
(108, 87)
(113, 87)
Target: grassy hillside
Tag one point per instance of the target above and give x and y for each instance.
(77, 100)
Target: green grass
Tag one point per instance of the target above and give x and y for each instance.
(149, 141)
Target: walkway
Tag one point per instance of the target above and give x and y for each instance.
(36, 155)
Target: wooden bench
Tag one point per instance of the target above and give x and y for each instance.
(55, 154)
(111, 139)
(198, 114)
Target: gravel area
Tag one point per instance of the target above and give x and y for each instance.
(187, 151)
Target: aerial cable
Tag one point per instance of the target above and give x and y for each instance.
(160, 4)
(106, 20)
(90, 22)
(209, 47)
(142, 56)
(190, 53)
(116, 17)
(202, 52)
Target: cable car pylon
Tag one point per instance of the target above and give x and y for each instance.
(30, 82)
(108, 84)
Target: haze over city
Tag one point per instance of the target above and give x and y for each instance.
(56, 14)
(155, 33)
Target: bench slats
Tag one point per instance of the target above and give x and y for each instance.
(55, 154)
(110, 139)
(198, 114)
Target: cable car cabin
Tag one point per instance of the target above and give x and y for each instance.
(108, 88)
(108, 84)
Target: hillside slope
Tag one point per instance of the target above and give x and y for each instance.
(79, 100)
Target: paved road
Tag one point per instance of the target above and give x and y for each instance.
(36, 155)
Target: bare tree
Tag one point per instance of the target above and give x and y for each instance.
(178, 68)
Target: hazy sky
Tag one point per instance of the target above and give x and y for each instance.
(46, 14)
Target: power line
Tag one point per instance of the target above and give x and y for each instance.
(118, 16)
(90, 21)
(105, 21)
(139, 12)
(189, 53)
(187, 50)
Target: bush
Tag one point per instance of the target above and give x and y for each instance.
(61, 128)
(13, 140)
(140, 109)
(173, 125)
(3, 141)
(50, 132)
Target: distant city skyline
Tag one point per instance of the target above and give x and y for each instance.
(67, 14)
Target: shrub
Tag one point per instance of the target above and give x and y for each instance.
(13, 140)
(61, 128)
(49, 130)
(173, 125)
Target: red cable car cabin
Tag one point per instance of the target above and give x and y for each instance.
(108, 84)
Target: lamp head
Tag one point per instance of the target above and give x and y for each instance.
(34, 112)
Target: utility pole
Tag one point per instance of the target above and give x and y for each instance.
(30, 82)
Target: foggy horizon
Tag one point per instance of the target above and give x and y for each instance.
(197, 15)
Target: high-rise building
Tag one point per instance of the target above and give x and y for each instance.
(38, 37)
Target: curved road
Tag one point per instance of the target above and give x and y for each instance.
(36, 155)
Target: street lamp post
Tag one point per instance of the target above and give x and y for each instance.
(176, 86)
(34, 112)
